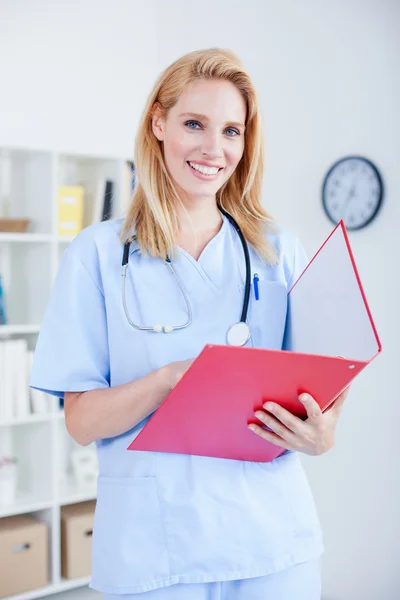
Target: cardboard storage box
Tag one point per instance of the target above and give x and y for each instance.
(76, 539)
(24, 555)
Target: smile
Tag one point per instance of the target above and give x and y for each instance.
(207, 171)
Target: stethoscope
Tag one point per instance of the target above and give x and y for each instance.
(238, 333)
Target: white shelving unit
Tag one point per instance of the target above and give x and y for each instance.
(28, 264)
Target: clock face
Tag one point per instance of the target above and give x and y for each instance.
(352, 192)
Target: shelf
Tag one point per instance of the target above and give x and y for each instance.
(36, 418)
(25, 237)
(53, 588)
(71, 494)
(36, 238)
(6, 330)
(25, 503)
(65, 239)
(29, 264)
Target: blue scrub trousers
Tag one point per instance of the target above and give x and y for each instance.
(300, 582)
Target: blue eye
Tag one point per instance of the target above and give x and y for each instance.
(230, 131)
(190, 123)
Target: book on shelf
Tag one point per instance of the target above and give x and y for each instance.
(17, 400)
(129, 186)
(3, 314)
(103, 205)
(39, 402)
(70, 209)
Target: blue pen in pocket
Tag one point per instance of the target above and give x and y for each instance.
(255, 282)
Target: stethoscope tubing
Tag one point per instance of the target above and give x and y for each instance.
(247, 287)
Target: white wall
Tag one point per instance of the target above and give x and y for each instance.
(74, 76)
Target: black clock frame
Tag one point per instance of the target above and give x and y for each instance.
(380, 182)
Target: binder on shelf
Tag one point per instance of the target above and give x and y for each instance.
(70, 209)
(330, 338)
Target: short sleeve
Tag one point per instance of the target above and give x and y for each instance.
(72, 353)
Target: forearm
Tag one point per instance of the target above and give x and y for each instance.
(109, 412)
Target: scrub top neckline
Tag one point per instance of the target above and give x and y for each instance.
(209, 244)
(199, 263)
(220, 232)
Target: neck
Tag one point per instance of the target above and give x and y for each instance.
(199, 221)
(198, 215)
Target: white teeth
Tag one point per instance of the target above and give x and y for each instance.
(203, 169)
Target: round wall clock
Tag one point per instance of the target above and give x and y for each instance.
(352, 191)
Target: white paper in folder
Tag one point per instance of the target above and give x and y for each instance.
(328, 313)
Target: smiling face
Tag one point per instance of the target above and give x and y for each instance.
(203, 137)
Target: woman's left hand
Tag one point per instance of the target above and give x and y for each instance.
(313, 436)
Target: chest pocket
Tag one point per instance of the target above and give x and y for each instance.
(267, 316)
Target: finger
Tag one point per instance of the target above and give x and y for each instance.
(284, 416)
(338, 403)
(269, 436)
(277, 427)
(314, 412)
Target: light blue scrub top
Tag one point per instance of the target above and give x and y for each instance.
(165, 518)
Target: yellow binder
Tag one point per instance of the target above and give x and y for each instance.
(70, 209)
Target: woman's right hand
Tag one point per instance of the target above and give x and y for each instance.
(175, 371)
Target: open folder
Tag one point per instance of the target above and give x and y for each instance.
(330, 336)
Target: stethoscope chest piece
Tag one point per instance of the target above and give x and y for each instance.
(238, 334)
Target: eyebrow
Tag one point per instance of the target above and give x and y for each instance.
(205, 118)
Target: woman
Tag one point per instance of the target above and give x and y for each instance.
(166, 525)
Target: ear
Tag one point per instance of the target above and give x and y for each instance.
(158, 122)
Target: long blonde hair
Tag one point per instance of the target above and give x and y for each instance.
(152, 214)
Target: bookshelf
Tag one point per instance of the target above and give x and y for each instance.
(28, 264)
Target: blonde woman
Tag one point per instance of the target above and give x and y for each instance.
(171, 526)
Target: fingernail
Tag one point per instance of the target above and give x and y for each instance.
(269, 406)
(303, 397)
(251, 427)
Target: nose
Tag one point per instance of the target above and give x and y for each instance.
(212, 146)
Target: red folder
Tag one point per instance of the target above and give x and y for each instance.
(331, 338)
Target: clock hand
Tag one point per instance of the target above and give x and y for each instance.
(347, 200)
(350, 196)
